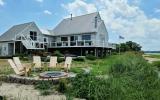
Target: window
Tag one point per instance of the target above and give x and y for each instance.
(74, 38)
(64, 38)
(86, 37)
(33, 35)
(45, 39)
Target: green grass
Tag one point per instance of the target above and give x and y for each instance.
(130, 77)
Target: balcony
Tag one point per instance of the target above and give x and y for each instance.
(81, 43)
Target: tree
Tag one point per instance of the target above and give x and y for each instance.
(128, 46)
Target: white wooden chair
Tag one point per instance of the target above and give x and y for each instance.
(53, 62)
(16, 70)
(37, 62)
(68, 62)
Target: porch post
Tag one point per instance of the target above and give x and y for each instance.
(95, 52)
(14, 48)
(81, 51)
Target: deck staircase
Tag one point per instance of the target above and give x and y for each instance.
(29, 43)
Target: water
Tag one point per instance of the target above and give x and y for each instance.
(152, 53)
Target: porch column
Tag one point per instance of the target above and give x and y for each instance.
(14, 48)
(95, 52)
(81, 51)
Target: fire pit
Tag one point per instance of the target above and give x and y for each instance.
(53, 74)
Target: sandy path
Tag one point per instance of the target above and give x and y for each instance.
(150, 60)
(25, 92)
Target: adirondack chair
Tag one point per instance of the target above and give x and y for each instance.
(68, 63)
(53, 62)
(18, 63)
(16, 70)
(37, 62)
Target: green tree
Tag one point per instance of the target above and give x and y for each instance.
(128, 46)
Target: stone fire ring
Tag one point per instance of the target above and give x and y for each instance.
(53, 74)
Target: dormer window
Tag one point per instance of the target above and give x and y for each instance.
(33, 35)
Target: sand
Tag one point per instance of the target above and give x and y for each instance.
(25, 92)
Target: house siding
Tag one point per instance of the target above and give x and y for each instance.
(33, 27)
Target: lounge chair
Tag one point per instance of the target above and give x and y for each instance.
(68, 63)
(37, 62)
(18, 63)
(53, 62)
(16, 70)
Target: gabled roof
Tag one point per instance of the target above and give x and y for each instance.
(16, 29)
(77, 25)
(45, 32)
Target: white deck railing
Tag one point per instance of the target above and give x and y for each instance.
(81, 43)
(29, 43)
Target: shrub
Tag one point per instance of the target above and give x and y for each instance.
(58, 54)
(43, 85)
(156, 64)
(79, 59)
(3, 97)
(130, 78)
(89, 87)
(90, 57)
(62, 86)
(59, 60)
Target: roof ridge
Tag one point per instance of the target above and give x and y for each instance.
(83, 15)
(24, 23)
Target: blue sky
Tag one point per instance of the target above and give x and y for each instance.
(136, 20)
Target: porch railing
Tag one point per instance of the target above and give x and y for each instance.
(81, 43)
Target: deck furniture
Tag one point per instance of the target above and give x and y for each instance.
(18, 63)
(37, 62)
(68, 62)
(16, 70)
(53, 62)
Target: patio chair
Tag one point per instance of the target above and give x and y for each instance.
(37, 62)
(53, 62)
(68, 63)
(12, 64)
(18, 63)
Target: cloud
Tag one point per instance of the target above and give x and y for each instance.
(79, 7)
(122, 18)
(39, 1)
(1, 2)
(47, 12)
(157, 10)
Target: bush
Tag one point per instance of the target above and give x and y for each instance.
(79, 59)
(89, 87)
(156, 64)
(59, 60)
(3, 97)
(130, 78)
(90, 57)
(43, 85)
(46, 88)
(58, 54)
(62, 86)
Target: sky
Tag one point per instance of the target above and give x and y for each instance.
(135, 20)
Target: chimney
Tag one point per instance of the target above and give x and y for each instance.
(96, 20)
(71, 16)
